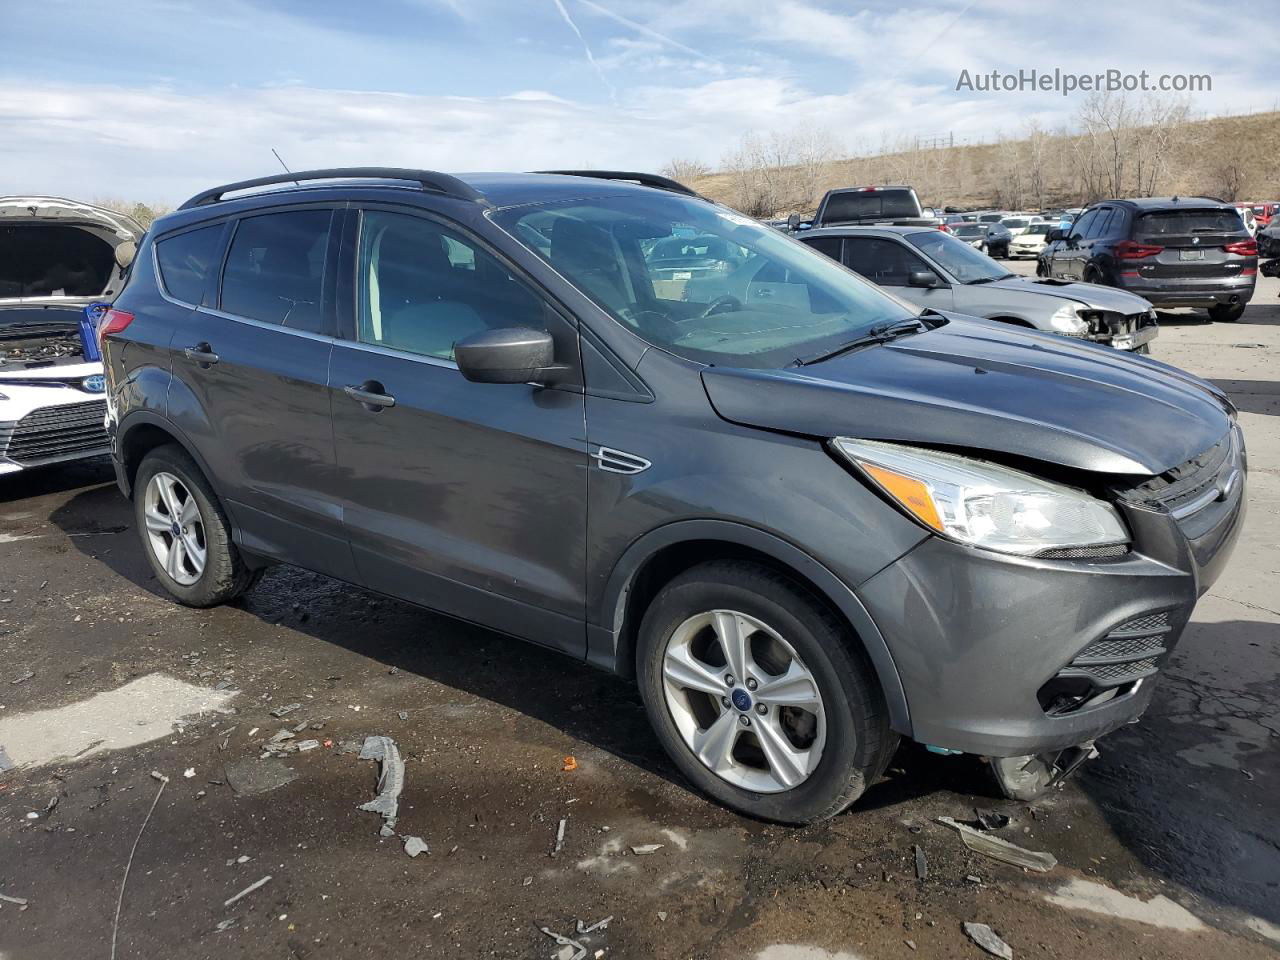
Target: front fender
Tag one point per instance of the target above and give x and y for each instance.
(606, 645)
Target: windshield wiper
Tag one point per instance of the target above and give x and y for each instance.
(880, 333)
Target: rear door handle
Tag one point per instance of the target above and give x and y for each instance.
(371, 394)
(202, 354)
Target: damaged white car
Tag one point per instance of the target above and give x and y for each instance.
(57, 257)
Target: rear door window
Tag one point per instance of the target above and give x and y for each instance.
(275, 268)
(1081, 226)
(1097, 227)
(827, 245)
(186, 260)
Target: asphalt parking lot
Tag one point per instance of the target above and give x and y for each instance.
(1168, 845)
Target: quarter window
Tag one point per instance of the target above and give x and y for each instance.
(275, 268)
(423, 287)
(829, 246)
(186, 261)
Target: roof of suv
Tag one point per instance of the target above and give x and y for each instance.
(839, 231)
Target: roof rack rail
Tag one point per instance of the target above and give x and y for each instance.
(644, 179)
(429, 180)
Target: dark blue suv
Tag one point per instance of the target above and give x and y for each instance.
(806, 516)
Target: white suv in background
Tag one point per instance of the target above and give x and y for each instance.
(56, 258)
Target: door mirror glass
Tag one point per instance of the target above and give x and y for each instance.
(508, 355)
(793, 222)
(923, 278)
(1055, 234)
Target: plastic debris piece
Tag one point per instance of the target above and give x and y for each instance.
(559, 837)
(390, 780)
(24, 678)
(415, 845)
(5, 762)
(18, 900)
(990, 820)
(922, 863)
(644, 849)
(288, 708)
(570, 763)
(224, 925)
(257, 885)
(579, 951)
(527, 882)
(281, 736)
(386, 830)
(1003, 850)
(662, 915)
(189, 772)
(598, 925)
(986, 938)
(403, 714)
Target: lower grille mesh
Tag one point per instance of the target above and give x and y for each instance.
(55, 433)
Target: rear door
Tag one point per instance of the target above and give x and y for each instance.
(250, 385)
(1193, 245)
(468, 498)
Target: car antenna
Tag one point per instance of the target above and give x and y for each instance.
(285, 165)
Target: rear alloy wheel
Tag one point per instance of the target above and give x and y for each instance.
(1226, 312)
(185, 533)
(760, 695)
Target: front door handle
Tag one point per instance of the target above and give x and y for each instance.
(202, 354)
(371, 394)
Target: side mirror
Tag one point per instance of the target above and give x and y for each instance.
(509, 355)
(125, 253)
(923, 278)
(1055, 234)
(793, 222)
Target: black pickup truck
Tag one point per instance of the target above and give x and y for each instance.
(867, 206)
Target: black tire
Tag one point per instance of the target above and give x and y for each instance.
(225, 574)
(1143, 350)
(1041, 269)
(1226, 312)
(859, 743)
(1094, 275)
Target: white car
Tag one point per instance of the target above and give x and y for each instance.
(1031, 240)
(56, 258)
(1018, 224)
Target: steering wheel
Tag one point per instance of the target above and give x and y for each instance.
(725, 303)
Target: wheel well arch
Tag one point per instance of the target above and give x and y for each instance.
(664, 554)
(141, 434)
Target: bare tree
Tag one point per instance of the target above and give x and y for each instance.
(1038, 155)
(143, 213)
(1009, 162)
(685, 169)
(1228, 178)
(779, 172)
(1165, 123)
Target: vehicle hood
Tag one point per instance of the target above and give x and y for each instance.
(1091, 295)
(986, 386)
(124, 227)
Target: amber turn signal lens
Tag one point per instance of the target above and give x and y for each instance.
(909, 492)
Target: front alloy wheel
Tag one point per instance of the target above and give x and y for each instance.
(744, 702)
(175, 528)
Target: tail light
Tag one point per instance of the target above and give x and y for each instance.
(1129, 250)
(944, 228)
(113, 321)
(1245, 248)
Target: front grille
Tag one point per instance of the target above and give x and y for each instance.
(1107, 552)
(1151, 623)
(1109, 674)
(1190, 486)
(55, 433)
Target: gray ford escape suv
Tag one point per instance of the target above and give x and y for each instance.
(805, 516)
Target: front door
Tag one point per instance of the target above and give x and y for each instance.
(465, 497)
(889, 263)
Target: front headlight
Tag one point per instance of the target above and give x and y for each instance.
(1067, 320)
(984, 504)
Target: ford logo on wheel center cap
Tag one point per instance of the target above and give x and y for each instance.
(741, 699)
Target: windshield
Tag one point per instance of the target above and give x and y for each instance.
(1176, 223)
(1014, 222)
(970, 230)
(957, 257)
(729, 291)
(1040, 228)
(870, 203)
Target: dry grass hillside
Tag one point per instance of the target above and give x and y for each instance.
(1235, 158)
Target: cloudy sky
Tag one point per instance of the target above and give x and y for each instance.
(154, 99)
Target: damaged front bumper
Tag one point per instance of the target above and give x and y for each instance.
(1007, 656)
(1121, 331)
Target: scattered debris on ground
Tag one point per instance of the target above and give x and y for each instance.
(573, 949)
(598, 925)
(644, 849)
(288, 708)
(990, 820)
(559, 844)
(390, 780)
(922, 863)
(999, 849)
(415, 845)
(257, 885)
(24, 678)
(986, 938)
(4, 898)
(570, 763)
(5, 762)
